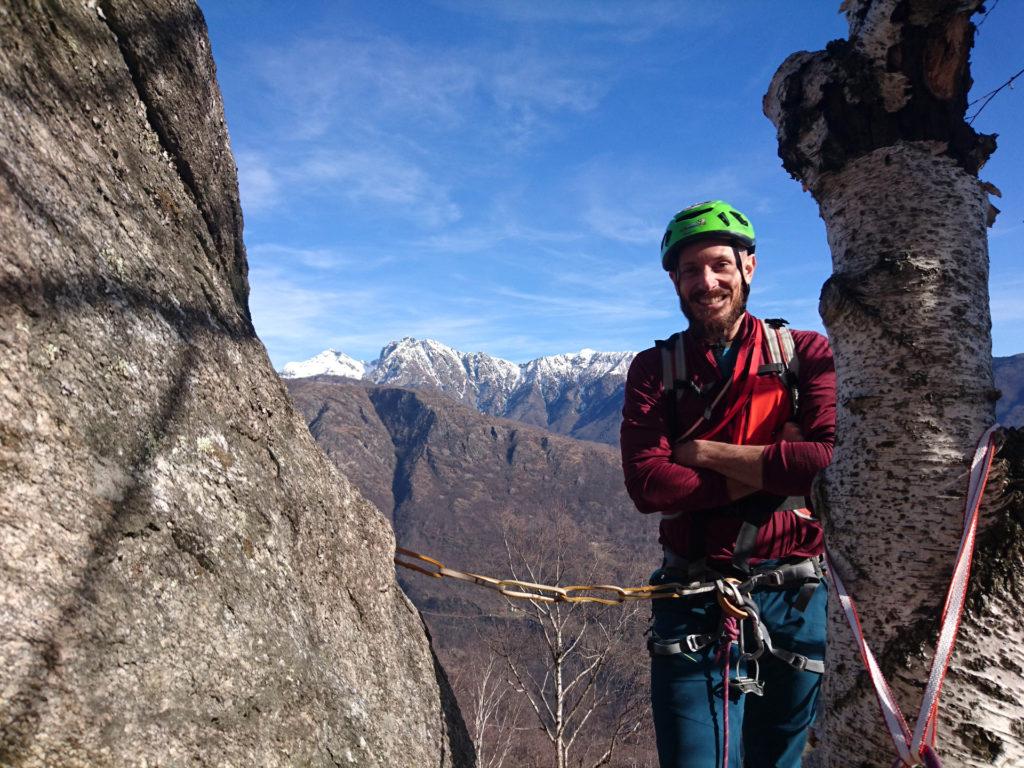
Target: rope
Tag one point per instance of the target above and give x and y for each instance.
(730, 634)
(918, 746)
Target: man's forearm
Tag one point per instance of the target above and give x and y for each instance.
(741, 463)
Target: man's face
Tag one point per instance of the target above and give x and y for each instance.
(711, 291)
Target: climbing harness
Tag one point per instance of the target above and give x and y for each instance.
(917, 747)
(732, 595)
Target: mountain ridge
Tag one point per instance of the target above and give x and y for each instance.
(556, 392)
(577, 394)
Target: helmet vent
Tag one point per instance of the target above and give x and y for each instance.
(738, 216)
(691, 214)
(724, 219)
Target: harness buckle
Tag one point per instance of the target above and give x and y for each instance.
(697, 643)
(747, 685)
(798, 662)
(659, 647)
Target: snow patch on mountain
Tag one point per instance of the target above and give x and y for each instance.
(488, 383)
(329, 362)
(581, 368)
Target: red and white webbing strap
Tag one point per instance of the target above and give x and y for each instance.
(917, 747)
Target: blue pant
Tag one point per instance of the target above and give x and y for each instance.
(686, 688)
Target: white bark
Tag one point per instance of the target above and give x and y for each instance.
(908, 318)
(907, 313)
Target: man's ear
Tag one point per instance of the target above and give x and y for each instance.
(749, 265)
(672, 276)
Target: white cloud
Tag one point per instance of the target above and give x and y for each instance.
(267, 255)
(365, 88)
(630, 202)
(630, 22)
(257, 186)
(379, 177)
(325, 82)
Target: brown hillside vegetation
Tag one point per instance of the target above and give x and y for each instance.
(496, 497)
(455, 474)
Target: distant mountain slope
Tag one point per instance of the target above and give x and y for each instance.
(577, 394)
(1009, 375)
(448, 474)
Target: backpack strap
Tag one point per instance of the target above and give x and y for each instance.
(676, 383)
(673, 379)
(782, 358)
(784, 363)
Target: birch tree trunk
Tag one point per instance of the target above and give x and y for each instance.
(874, 127)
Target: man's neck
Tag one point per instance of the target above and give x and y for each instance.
(721, 341)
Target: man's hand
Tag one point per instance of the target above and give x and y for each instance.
(737, 490)
(688, 453)
(791, 433)
(741, 463)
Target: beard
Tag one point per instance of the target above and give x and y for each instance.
(716, 330)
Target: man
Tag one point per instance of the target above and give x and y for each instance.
(724, 428)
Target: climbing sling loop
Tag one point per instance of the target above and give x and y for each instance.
(918, 747)
(526, 590)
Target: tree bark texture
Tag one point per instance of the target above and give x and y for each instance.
(874, 128)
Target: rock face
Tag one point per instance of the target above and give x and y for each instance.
(185, 578)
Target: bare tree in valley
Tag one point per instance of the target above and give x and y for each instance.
(578, 667)
(874, 127)
(490, 706)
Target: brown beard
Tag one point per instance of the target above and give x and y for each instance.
(717, 331)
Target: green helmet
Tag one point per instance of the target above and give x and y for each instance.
(703, 221)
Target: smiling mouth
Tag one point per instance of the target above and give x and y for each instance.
(709, 301)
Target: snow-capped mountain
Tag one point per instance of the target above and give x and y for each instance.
(564, 393)
(329, 362)
(577, 394)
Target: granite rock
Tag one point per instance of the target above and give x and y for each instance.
(184, 577)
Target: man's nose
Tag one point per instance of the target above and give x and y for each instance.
(708, 280)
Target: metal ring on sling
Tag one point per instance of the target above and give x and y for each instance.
(728, 585)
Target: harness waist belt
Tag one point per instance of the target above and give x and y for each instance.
(781, 576)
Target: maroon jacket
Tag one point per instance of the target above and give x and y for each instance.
(657, 484)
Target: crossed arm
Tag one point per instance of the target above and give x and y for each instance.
(741, 465)
(706, 474)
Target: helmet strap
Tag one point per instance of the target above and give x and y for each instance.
(739, 265)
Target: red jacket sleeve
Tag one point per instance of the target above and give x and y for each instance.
(789, 467)
(653, 480)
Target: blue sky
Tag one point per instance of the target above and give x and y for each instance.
(496, 175)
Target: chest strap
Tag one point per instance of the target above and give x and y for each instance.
(783, 362)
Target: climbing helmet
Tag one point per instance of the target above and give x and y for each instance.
(703, 221)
